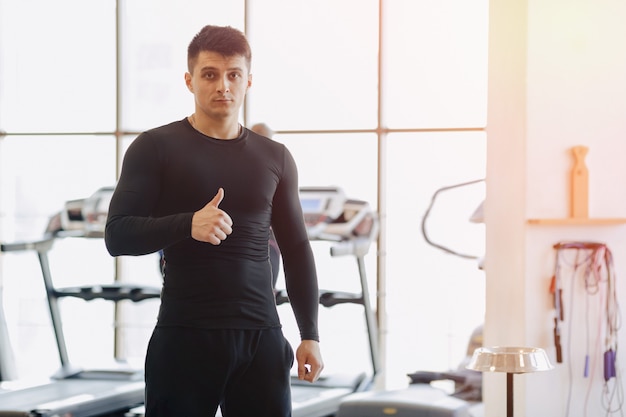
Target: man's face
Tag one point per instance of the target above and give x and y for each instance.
(219, 84)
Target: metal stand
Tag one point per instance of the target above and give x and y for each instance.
(509, 394)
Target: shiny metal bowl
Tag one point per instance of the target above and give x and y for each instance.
(515, 360)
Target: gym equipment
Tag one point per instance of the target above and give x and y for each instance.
(352, 230)
(320, 206)
(420, 398)
(416, 401)
(6, 360)
(110, 292)
(73, 391)
(72, 397)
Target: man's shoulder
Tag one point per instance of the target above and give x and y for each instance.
(177, 126)
(160, 136)
(265, 142)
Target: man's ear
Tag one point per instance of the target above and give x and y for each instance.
(249, 80)
(188, 81)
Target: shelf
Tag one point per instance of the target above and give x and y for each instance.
(573, 221)
(579, 198)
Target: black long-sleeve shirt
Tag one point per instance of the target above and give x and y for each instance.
(172, 171)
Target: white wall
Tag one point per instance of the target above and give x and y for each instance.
(557, 76)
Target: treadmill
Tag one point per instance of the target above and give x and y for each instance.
(73, 397)
(351, 226)
(6, 352)
(73, 391)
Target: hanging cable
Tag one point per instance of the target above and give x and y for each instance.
(427, 213)
(593, 265)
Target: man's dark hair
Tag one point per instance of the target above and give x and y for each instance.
(224, 40)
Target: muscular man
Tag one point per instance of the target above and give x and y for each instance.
(206, 191)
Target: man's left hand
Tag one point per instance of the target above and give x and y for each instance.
(309, 360)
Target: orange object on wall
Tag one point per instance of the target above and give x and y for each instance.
(579, 204)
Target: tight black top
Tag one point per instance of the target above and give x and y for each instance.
(172, 171)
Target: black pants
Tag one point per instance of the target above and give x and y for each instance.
(190, 372)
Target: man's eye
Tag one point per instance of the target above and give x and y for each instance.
(209, 75)
(235, 75)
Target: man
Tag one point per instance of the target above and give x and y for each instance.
(205, 190)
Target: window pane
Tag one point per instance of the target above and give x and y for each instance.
(435, 63)
(347, 160)
(421, 278)
(57, 66)
(39, 174)
(156, 34)
(314, 64)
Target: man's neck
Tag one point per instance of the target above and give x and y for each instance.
(223, 130)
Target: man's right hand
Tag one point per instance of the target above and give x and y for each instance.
(211, 224)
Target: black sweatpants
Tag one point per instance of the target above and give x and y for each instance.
(190, 372)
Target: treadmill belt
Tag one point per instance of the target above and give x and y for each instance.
(72, 397)
(308, 401)
(315, 401)
(302, 394)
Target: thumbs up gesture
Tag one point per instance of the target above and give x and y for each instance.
(211, 224)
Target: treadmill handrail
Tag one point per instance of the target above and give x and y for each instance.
(41, 245)
(326, 298)
(110, 292)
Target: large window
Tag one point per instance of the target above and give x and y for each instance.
(386, 99)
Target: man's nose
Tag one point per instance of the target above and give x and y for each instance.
(224, 86)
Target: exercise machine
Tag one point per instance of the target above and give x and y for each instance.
(73, 391)
(72, 397)
(110, 292)
(420, 398)
(6, 352)
(351, 226)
